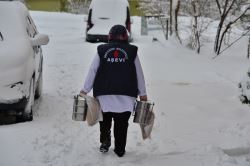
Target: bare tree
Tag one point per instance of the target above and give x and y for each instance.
(199, 22)
(154, 7)
(225, 7)
(171, 17)
(176, 14)
(196, 14)
(248, 48)
(157, 9)
(79, 6)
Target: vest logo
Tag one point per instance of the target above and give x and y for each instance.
(115, 55)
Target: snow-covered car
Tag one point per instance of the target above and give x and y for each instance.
(21, 60)
(244, 87)
(102, 15)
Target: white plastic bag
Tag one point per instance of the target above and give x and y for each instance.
(147, 129)
(94, 113)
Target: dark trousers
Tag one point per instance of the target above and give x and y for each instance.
(120, 128)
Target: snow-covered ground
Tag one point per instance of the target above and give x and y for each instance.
(199, 118)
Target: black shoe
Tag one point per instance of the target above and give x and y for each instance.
(104, 147)
(119, 153)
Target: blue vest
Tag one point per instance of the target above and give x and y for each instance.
(116, 74)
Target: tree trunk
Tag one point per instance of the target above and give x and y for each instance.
(171, 18)
(248, 49)
(196, 42)
(228, 26)
(217, 37)
(223, 15)
(176, 20)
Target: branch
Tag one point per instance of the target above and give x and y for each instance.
(244, 34)
(225, 8)
(248, 8)
(218, 5)
(228, 27)
(230, 7)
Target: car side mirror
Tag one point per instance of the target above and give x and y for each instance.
(40, 39)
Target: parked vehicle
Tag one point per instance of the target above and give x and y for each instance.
(244, 88)
(21, 60)
(102, 15)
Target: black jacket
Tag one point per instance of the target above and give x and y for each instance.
(116, 74)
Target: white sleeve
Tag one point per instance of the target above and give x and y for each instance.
(89, 80)
(140, 78)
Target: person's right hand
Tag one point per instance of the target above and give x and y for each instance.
(144, 98)
(82, 93)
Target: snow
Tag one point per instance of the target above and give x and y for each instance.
(199, 117)
(11, 29)
(15, 52)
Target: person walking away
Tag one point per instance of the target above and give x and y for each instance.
(117, 79)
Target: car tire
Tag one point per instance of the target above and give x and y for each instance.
(27, 114)
(38, 91)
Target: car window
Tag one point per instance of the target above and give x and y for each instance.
(30, 28)
(33, 25)
(90, 16)
(1, 36)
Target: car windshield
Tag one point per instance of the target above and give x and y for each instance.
(11, 23)
(105, 10)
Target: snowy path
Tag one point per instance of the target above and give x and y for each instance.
(199, 119)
